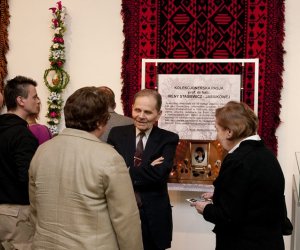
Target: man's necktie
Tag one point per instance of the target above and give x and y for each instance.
(137, 162)
(139, 150)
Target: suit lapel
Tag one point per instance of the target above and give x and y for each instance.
(152, 142)
(129, 145)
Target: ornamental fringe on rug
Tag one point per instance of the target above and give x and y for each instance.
(208, 29)
(4, 22)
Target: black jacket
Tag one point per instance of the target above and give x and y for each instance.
(150, 182)
(247, 207)
(17, 147)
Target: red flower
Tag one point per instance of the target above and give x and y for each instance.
(59, 5)
(53, 114)
(59, 63)
(55, 22)
(58, 39)
(53, 9)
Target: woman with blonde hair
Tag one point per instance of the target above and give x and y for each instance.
(247, 205)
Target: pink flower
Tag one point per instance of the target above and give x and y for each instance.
(53, 114)
(55, 22)
(59, 5)
(58, 39)
(53, 9)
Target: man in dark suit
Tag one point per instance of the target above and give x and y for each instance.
(149, 176)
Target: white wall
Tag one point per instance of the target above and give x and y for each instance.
(94, 43)
(288, 131)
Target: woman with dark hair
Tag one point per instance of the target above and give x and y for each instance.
(80, 189)
(244, 218)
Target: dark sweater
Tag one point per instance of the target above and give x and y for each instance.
(17, 147)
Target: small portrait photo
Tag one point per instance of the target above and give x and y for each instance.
(199, 154)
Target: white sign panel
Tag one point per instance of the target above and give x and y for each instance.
(189, 102)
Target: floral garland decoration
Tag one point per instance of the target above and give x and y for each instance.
(56, 78)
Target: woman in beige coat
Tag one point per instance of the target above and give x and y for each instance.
(80, 190)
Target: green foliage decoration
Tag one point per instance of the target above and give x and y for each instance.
(56, 78)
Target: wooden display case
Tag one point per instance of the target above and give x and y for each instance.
(197, 162)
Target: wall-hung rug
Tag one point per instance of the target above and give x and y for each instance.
(208, 29)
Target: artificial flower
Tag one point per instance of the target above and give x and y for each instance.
(60, 79)
(53, 9)
(53, 114)
(55, 22)
(59, 5)
(57, 30)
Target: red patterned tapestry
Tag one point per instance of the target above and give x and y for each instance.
(4, 22)
(208, 29)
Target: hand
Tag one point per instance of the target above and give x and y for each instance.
(157, 161)
(207, 195)
(200, 205)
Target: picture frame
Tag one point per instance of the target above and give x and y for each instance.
(199, 154)
(187, 169)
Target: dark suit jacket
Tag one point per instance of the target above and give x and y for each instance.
(114, 121)
(150, 182)
(247, 207)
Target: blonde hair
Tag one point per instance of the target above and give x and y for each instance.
(239, 118)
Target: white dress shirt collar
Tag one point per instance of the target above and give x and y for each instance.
(252, 137)
(145, 138)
